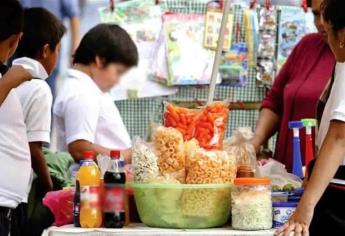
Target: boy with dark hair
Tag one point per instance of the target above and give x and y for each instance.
(85, 116)
(11, 25)
(14, 151)
(39, 50)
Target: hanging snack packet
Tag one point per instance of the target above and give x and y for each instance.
(168, 143)
(183, 119)
(211, 124)
(144, 162)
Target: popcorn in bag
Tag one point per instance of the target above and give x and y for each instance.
(144, 160)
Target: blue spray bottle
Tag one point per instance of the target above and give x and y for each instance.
(297, 167)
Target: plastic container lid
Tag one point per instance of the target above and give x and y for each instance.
(309, 122)
(252, 181)
(115, 154)
(89, 155)
(285, 204)
(296, 124)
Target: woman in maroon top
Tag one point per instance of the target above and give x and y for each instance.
(296, 91)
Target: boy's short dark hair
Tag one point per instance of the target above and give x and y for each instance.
(40, 27)
(110, 42)
(11, 18)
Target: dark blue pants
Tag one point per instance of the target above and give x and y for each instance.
(5, 221)
(329, 213)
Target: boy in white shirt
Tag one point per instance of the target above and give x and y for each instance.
(38, 50)
(85, 116)
(15, 163)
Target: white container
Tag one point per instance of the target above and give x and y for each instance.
(282, 211)
(252, 204)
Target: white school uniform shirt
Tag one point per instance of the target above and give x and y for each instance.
(36, 99)
(15, 160)
(335, 107)
(83, 112)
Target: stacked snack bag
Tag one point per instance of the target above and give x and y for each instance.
(188, 148)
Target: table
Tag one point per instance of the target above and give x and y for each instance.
(139, 229)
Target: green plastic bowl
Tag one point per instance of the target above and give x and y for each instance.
(183, 206)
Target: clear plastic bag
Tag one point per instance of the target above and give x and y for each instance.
(183, 119)
(60, 204)
(169, 146)
(211, 125)
(206, 125)
(239, 146)
(210, 167)
(278, 174)
(144, 161)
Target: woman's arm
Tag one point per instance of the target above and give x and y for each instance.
(329, 159)
(266, 126)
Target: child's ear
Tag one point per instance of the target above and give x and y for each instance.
(99, 62)
(45, 51)
(14, 41)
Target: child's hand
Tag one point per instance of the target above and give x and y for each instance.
(18, 73)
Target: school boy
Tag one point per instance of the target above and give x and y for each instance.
(39, 50)
(85, 116)
(15, 166)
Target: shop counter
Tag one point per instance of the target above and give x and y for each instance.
(139, 229)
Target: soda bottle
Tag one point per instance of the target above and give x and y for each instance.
(90, 189)
(114, 213)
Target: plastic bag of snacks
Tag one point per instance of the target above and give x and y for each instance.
(168, 143)
(207, 125)
(144, 162)
(240, 147)
(211, 124)
(181, 118)
(210, 167)
(190, 149)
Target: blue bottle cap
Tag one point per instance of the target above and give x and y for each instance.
(296, 125)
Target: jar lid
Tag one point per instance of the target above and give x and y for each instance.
(285, 204)
(252, 181)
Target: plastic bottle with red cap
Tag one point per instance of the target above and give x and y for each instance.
(114, 210)
(89, 177)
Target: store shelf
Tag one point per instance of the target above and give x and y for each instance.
(138, 229)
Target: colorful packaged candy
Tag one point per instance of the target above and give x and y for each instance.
(189, 63)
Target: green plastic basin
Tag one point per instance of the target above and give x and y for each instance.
(183, 206)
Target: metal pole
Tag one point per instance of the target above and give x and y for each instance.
(219, 51)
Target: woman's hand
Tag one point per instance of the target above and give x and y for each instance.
(299, 222)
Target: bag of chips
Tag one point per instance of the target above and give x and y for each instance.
(168, 143)
(207, 125)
